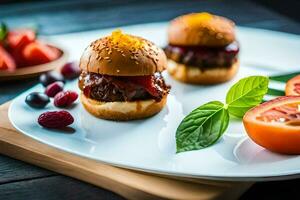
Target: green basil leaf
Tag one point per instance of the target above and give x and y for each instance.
(245, 94)
(202, 127)
(3, 31)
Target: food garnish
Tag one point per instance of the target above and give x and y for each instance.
(247, 93)
(3, 31)
(50, 77)
(54, 88)
(292, 87)
(54, 83)
(70, 70)
(65, 98)
(275, 124)
(55, 119)
(206, 124)
(121, 39)
(37, 100)
(197, 18)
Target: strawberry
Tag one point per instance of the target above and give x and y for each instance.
(18, 39)
(6, 61)
(37, 53)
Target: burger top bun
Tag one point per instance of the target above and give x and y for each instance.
(201, 29)
(123, 55)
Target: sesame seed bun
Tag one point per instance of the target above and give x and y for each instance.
(194, 75)
(123, 111)
(201, 29)
(123, 55)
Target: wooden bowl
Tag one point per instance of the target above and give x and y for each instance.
(30, 71)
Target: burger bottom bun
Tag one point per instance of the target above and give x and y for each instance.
(194, 75)
(123, 111)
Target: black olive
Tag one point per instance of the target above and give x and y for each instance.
(50, 77)
(37, 100)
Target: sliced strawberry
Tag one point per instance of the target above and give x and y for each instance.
(18, 39)
(37, 53)
(17, 56)
(6, 61)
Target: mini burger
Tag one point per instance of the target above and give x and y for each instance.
(202, 49)
(121, 78)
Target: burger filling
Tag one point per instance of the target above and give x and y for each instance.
(123, 88)
(204, 57)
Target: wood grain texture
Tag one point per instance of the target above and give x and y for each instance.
(10, 169)
(51, 189)
(127, 183)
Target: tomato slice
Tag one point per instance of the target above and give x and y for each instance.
(275, 124)
(146, 82)
(19, 38)
(292, 87)
(6, 61)
(37, 53)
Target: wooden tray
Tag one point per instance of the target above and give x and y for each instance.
(127, 183)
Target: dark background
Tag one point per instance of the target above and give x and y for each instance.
(19, 180)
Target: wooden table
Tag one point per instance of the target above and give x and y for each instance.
(19, 180)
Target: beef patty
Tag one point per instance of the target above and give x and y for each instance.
(204, 57)
(123, 88)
